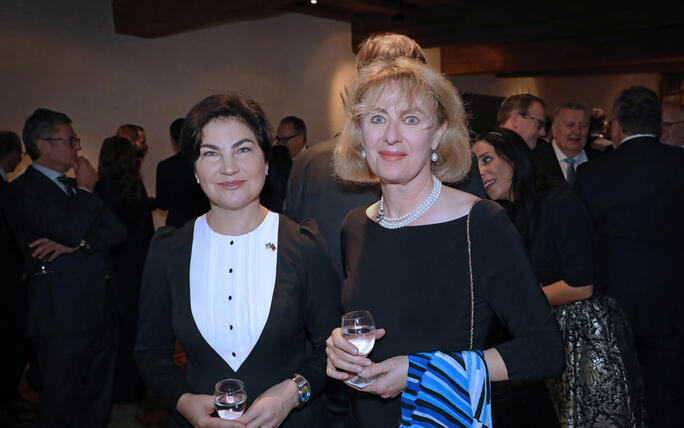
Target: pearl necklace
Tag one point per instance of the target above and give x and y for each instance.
(411, 216)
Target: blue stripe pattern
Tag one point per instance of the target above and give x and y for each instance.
(447, 390)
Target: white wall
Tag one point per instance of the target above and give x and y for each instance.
(64, 55)
(595, 91)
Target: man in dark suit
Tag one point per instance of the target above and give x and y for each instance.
(635, 197)
(561, 157)
(177, 187)
(13, 410)
(65, 233)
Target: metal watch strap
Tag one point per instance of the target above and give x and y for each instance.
(303, 389)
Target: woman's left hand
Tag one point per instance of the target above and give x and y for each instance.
(392, 380)
(271, 408)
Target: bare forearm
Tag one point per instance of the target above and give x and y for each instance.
(560, 293)
(497, 368)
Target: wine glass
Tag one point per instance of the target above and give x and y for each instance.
(43, 269)
(230, 398)
(358, 327)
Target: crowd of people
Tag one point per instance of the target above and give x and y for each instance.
(528, 276)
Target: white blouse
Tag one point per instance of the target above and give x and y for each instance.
(231, 286)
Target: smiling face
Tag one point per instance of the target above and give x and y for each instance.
(570, 131)
(231, 166)
(399, 136)
(496, 172)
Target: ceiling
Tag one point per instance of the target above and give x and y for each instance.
(507, 38)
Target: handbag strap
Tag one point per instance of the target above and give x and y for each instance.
(470, 271)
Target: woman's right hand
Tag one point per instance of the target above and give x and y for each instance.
(197, 409)
(344, 360)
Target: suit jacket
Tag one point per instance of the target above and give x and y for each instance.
(314, 192)
(75, 295)
(544, 157)
(178, 191)
(635, 196)
(305, 302)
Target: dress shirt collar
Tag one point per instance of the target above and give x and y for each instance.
(51, 174)
(3, 174)
(579, 159)
(632, 137)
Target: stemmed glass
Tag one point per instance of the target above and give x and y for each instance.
(43, 269)
(358, 327)
(230, 398)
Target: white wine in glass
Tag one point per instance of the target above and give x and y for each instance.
(230, 398)
(358, 327)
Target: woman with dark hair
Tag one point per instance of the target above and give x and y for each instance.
(121, 188)
(434, 265)
(599, 385)
(249, 294)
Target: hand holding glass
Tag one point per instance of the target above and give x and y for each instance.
(358, 328)
(230, 398)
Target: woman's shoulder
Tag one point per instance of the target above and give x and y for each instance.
(563, 201)
(170, 237)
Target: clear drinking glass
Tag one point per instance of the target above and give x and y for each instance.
(43, 269)
(358, 327)
(230, 398)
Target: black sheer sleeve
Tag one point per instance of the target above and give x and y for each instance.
(322, 304)
(504, 278)
(155, 342)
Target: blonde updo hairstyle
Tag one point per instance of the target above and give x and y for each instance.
(418, 84)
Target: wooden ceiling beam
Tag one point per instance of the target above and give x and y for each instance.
(624, 52)
(157, 18)
(435, 27)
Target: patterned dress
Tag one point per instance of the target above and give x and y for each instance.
(601, 385)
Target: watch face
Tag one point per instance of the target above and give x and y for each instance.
(305, 393)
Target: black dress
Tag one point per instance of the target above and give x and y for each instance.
(415, 281)
(128, 259)
(601, 383)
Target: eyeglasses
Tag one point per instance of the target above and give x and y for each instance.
(72, 141)
(540, 123)
(285, 140)
(668, 125)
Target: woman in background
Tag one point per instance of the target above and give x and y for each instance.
(121, 188)
(599, 385)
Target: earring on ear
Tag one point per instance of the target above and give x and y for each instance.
(266, 171)
(363, 152)
(197, 178)
(434, 156)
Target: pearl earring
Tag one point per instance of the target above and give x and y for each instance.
(197, 178)
(363, 154)
(434, 157)
(266, 171)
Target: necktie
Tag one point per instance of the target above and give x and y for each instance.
(570, 172)
(69, 184)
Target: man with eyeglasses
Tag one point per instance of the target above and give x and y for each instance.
(672, 130)
(561, 157)
(523, 114)
(64, 232)
(292, 134)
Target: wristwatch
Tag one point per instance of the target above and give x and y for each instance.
(303, 389)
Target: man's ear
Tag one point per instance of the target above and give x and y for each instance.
(42, 145)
